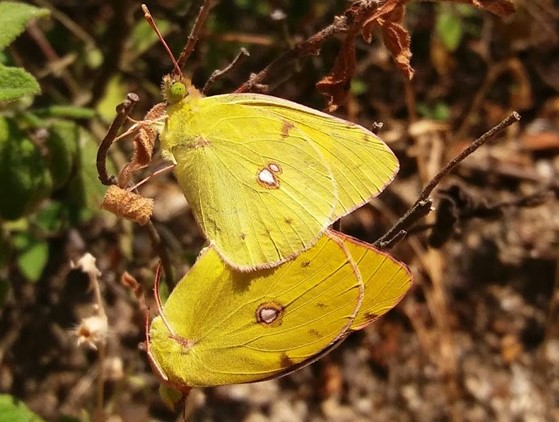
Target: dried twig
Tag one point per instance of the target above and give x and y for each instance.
(219, 73)
(310, 46)
(123, 111)
(193, 37)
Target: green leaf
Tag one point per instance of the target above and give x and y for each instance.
(115, 92)
(13, 19)
(449, 29)
(358, 86)
(83, 193)
(51, 217)
(143, 37)
(24, 176)
(14, 410)
(62, 145)
(16, 82)
(438, 111)
(32, 256)
(67, 111)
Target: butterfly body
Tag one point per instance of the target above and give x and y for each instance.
(265, 177)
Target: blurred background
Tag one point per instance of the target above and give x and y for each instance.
(477, 338)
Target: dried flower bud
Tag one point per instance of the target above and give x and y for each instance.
(92, 331)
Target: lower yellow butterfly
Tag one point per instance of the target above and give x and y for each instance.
(221, 326)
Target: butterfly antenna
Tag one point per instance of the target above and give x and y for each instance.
(151, 23)
(158, 299)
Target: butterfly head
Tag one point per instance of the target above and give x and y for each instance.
(176, 88)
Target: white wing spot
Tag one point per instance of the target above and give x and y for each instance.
(269, 314)
(274, 167)
(267, 179)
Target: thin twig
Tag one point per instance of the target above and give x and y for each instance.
(308, 47)
(219, 73)
(419, 210)
(423, 204)
(123, 110)
(487, 136)
(193, 37)
(163, 254)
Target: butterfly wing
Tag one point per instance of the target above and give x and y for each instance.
(361, 163)
(386, 280)
(233, 327)
(261, 195)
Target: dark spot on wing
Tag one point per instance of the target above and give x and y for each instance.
(285, 361)
(305, 264)
(369, 316)
(314, 333)
(288, 221)
(286, 127)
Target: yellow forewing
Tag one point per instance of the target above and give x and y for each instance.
(265, 177)
(361, 163)
(234, 327)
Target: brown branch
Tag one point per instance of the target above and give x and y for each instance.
(487, 136)
(310, 46)
(220, 73)
(193, 36)
(123, 111)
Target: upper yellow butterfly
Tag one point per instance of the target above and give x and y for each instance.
(265, 177)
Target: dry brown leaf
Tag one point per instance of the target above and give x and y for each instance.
(397, 39)
(143, 146)
(389, 18)
(364, 17)
(128, 205)
(336, 85)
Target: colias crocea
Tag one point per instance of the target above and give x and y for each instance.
(222, 326)
(265, 177)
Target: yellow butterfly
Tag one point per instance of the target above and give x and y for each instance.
(265, 177)
(222, 326)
